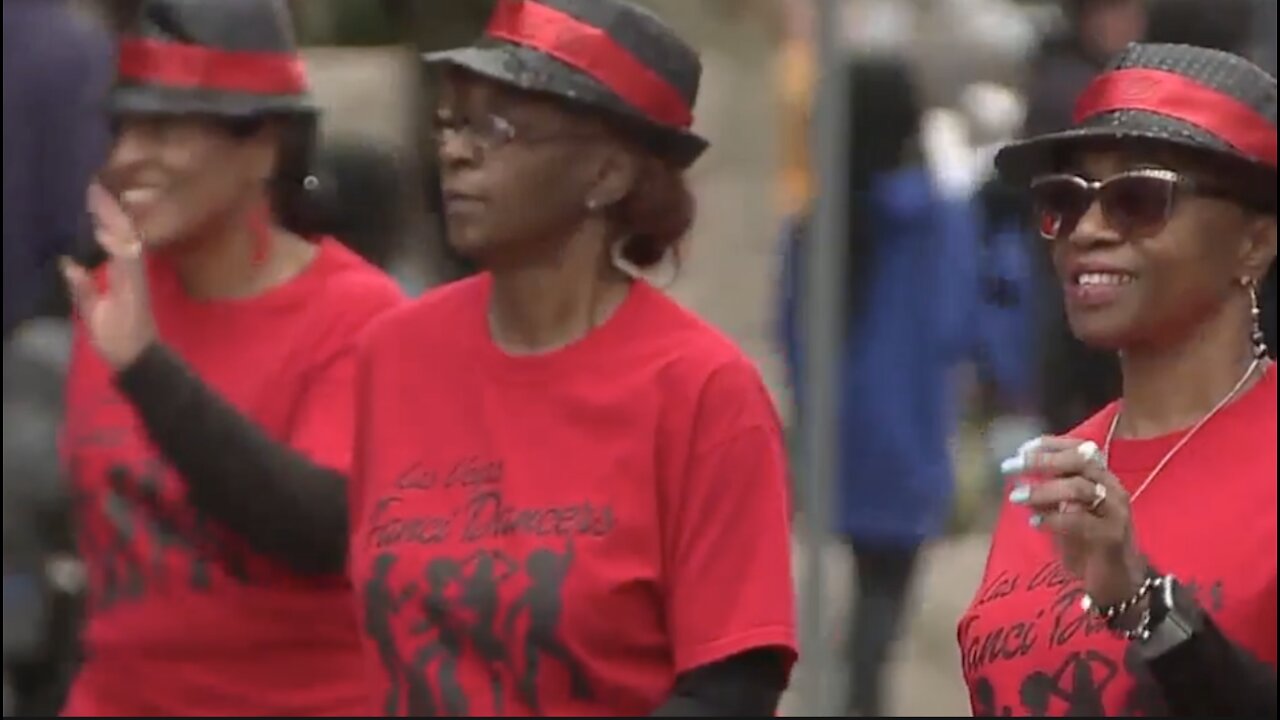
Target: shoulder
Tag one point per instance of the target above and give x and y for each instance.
(341, 297)
(349, 285)
(692, 347)
(703, 372)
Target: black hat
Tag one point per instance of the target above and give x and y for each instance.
(226, 58)
(607, 55)
(1205, 100)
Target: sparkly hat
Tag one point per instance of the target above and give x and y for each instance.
(607, 55)
(1209, 101)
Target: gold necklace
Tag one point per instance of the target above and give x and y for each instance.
(1225, 401)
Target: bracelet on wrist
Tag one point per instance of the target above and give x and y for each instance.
(1113, 614)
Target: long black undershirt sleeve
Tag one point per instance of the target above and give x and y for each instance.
(286, 507)
(1208, 675)
(749, 684)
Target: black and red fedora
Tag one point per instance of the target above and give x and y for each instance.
(223, 58)
(607, 55)
(1209, 101)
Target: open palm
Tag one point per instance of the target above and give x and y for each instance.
(118, 316)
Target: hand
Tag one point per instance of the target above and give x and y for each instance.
(1061, 481)
(118, 319)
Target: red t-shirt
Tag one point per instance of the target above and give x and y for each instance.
(183, 619)
(562, 534)
(1209, 518)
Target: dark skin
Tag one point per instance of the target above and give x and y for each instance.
(187, 188)
(532, 209)
(1182, 325)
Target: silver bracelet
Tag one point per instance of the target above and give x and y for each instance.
(1140, 632)
(1111, 613)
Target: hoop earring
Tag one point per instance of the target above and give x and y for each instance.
(617, 256)
(1256, 336)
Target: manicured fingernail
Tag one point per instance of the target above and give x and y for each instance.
(1088, 450)
(1020, 494)
(1036, 521)
(1030, 446)
(1014, 466)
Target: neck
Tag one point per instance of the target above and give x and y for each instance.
(231, 259)
(1170, 388)
(541, 304)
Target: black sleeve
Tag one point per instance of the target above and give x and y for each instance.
(749, 684)
(1210, 676)
(283, 505)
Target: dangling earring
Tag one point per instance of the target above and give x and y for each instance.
(1256, 337)
(260, 228)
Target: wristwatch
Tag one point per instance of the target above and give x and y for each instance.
(1174, 619)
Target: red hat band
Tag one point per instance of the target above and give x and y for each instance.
(1182, 98)
(197, 67)
(591, 51)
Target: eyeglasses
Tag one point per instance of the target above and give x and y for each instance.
(488, 131)
(1135, 203)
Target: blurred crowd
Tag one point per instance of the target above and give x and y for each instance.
(950, 308)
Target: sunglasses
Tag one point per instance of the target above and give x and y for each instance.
(1135, 203)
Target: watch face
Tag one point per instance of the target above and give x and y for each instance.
(1169, 626)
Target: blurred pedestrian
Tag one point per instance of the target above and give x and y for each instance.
(57, 71)
(1133, 569)
(900, 346)
(569, 495)
(208, 598)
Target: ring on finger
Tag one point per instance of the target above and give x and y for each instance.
(1099, 497)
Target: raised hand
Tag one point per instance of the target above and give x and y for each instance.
(1070, 493)
(118, 318)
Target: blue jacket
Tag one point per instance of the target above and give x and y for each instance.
(58, 68)
(897, 410)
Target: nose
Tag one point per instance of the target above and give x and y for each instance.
(1093, 228)
(455, 148)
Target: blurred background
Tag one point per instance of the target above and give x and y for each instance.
(920, 92)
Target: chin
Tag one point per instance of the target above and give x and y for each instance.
(160, 231)
(159, 241)
(1102, 335)
(473, 249)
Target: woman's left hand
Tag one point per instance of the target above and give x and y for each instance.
(1070, 492)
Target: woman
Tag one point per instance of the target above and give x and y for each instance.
(899, 349)
(1133, 571)
(569, 494)
(198, 606)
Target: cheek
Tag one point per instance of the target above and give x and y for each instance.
(537, 199)
(1185, 279)
(193, 200)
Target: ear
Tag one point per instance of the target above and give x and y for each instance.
(1259, 248)
(615, 174)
